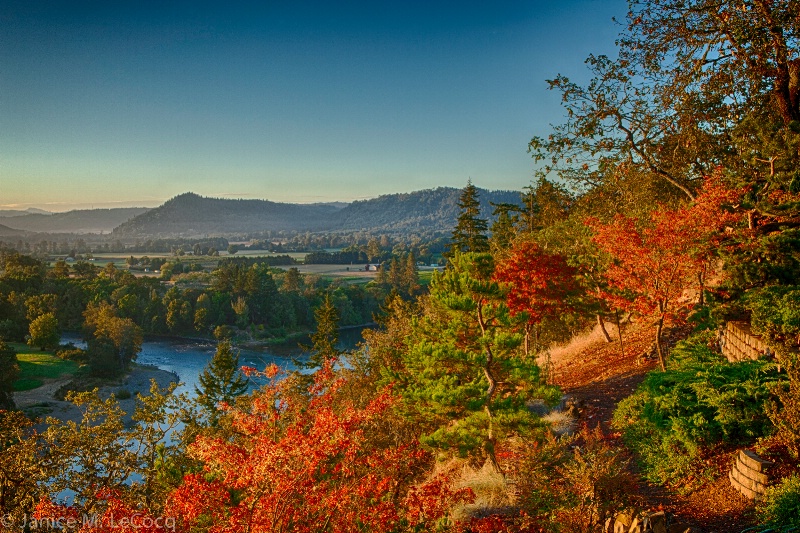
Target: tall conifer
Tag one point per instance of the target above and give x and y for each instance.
(326, 336)
(221, 381)
(469, 234)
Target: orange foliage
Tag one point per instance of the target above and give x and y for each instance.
(309, 466)
(655, 262)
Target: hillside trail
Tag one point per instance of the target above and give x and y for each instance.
(598, 375)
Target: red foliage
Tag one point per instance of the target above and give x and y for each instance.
(503, 524)
(655, 263)
(539, 282)
(305, 466)
(116, 516)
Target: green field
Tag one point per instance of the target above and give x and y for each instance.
(36, 366)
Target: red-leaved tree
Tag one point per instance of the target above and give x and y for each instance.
(539, 284)
(655, 261)
(309, 465)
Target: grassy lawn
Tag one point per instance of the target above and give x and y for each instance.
(36, 366)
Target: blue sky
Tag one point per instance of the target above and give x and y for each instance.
(115, 103)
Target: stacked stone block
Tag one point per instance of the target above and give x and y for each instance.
(749, 475)
(738, 343)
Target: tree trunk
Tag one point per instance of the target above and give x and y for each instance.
(487, 371)
(701, 279)
(659, 331)
(619, 333)
(602, 324)
(527, 339)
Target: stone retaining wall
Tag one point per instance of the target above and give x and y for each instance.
(749, 475)
(738, 343)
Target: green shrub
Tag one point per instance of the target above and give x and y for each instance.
(122, 394)
(780, 507)
(701, 400)
(776, 315)
(775, 311)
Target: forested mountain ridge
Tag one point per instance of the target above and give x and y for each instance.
(192, 215)
(430, 209)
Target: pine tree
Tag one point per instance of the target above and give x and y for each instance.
(221, 381)
(503, 229)
(462, 376)
(326, 336)
(469, 234)
(410, 275)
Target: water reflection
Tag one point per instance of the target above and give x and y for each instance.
(187, 358)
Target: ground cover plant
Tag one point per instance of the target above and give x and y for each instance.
(699, 402)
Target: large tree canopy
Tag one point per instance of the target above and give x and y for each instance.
(697, 84)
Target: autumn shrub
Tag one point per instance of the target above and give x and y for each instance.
(306, 463)
(780, 507)
(572, 483)
(71, 353)
(700, 401)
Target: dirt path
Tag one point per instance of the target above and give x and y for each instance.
(598, 375)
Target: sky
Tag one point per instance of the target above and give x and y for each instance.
(130, 103)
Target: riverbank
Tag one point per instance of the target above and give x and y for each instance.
(41, 401)
(287, 346)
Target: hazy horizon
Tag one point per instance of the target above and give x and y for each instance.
(128, 105)
(57, 208)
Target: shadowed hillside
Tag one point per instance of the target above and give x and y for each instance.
(428, 210)
(189, 215)
(5, 231)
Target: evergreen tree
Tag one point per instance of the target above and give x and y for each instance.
(9, 369)
(411, 275)
(461, 375)
(469, 234)
(221, 381)
(292, 280)
(395, 275)
(326, 336)
(503, 229)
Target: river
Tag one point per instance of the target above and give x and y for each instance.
(188, 358)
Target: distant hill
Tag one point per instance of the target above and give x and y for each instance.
(190, 215)
(432, 210)
(17, 212)
(5, 231)
(78, 221)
